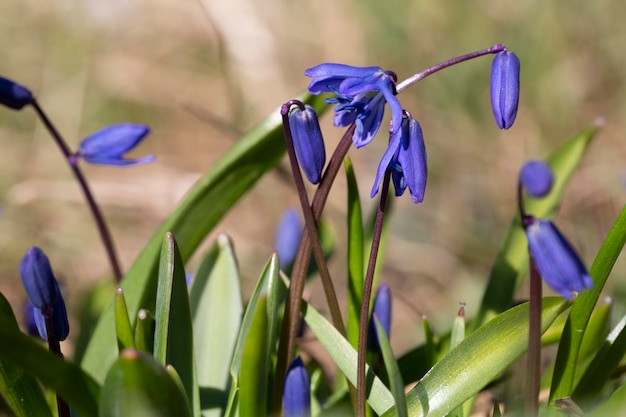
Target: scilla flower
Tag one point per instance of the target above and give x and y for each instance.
(108, 146)
(308, 142)
(297, 394)
(554, 257)
(361, 94)
(14, 95)
(505, 88)
(406, 158)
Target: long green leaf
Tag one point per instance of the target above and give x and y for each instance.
(216, 309)
(123, 329)
(19, 389)
(569, 347)
(203, 207)
(173, 337)
(511, 263)
(476, 361)
(395, 379)
(66, 378)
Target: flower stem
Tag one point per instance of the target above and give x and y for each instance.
(367, 295)
(445, 64)
(72, 161)
(534, 342)
(55, 347)
(300, 266)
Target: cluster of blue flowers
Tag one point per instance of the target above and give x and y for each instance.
(360, 95)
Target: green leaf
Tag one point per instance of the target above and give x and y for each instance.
(19, 389)
(203, 207)
(216, 309)
(123, 329)
(355, 255)
(476, 361)
(144, 331)
(511, 263)
(567, 355)
(265, 285)
(395, 379)
(67, 379)
(173, 337)
(614, 406)
(254, 363)
(345, 357)
(138, 386)
(602, 366)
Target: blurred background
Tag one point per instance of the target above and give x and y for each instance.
(201, 72)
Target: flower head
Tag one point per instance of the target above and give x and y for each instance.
(361, 93)
(14, 95)
(297, 394)
(288, 234)
(555, 259)
(536, 177)
(382, 311)
(406, 158)
(38, 280)
(308, 142)
(108, 145)
(505, 88)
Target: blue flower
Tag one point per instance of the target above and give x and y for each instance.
(39, 282)
(555, 259)
(361, 93)
(536, 177)
(287, 240)
(505, 88)
(406, 158)
(308, 142)
(108, 145)
(382, 311)
(297, 394)
(14, 95)
(60, 323)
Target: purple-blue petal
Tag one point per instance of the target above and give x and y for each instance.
(340, 70)
(38, 280)
(505, 72)
(412, 159)
(382, 311)
(536, 177)
(288, 234)
(556, 260)
(297, 393)
(108, 145)
(368, 121)
(385, 161)
(396, 109)
(308, 142)
(120, 161)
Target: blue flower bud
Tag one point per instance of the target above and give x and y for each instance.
(308, 141)
(536, 177)
(60, 323)
(288, 234)
(297, 393)
(39, 281)
(505, 88)
(14, 95)
(108, 145)
(382, 311)
(555, 259)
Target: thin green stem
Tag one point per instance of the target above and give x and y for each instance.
(293, 303)
(367, 295)
(72, 161)
(534, 342)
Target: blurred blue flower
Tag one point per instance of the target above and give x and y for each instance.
(297, 394)
(536, 177)
(60, 323)
(406, 158)
(39, 282)
(505, 71)
(14, 95)
(382, 311)
(361, 93)
(108, 145)
(308, 142)
(287, 240)
(555, 259)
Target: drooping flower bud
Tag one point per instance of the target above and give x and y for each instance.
(382, 311)
(297, 393)
(505, 88)
(536, 177)
(38, 280)
(14, 95)
(557, 262)
(108, 145)
(60, 323)
(308, 142)
(287, 240)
